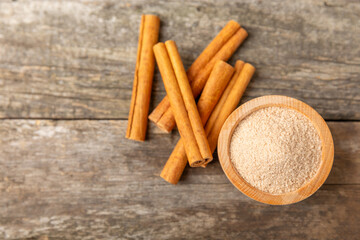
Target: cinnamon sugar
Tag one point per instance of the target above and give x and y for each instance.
(276, 149)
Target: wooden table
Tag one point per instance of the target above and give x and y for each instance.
(66, 72)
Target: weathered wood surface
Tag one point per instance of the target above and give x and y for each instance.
(83, 180)
(80, 179)
(75, 59)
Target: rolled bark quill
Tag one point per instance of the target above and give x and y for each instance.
(212, 92)
(221, 48)
(227, 105)
(182, 103)
(144, 72)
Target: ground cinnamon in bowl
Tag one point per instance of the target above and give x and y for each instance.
(276, 149)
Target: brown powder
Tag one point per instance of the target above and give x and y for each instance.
(276, 149)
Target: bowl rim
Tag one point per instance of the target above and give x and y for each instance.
(309, 188)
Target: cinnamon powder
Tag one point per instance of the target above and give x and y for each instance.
(276, 149)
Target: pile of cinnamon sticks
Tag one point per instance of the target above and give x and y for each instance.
(221, 87)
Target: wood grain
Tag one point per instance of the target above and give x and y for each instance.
(76, 59)
(83, 180)
(327, 150)
(80, 179)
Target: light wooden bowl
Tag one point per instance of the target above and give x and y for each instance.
(306, 190)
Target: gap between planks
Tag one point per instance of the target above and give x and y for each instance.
(125, 119)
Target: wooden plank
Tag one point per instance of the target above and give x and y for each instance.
(83, 179)
(75, 59)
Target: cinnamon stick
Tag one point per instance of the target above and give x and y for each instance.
(144, 71)
(182, 103)
(213, 89)
(214, 46)
(227, 105)
(221, 48)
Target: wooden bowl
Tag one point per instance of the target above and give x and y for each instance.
(327, 155)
